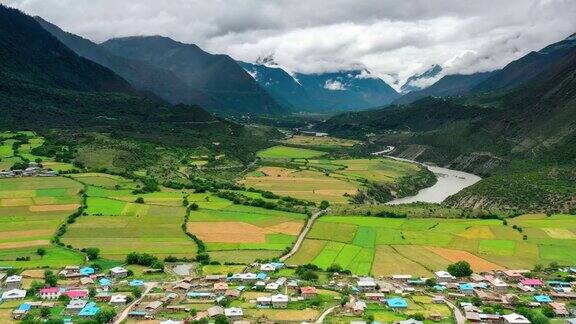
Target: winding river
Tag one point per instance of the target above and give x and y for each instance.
(449, 182)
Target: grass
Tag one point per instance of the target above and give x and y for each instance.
(56, 257)
(384, 246)
(326, 142)
(104, 180)
(286, 152)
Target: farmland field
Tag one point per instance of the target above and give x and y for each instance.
(327, 179)
(384, 246)
(321, 142)
(117, 225)
(244, 233)
(31, 209)
(286, 152)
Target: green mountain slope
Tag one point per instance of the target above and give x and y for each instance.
(217, 81)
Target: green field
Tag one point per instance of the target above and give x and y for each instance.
(286, 152)
(331, 180)
(243, 233)
(384, 246)
(325, 142)
(31, 209)
(117, 225)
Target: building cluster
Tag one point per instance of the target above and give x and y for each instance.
(33, 170)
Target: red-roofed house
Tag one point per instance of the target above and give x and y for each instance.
(308, 292)
(50, 293)
(77, 294)
(220, 287)
(532, 282)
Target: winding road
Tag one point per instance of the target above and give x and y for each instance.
(326, 313)
(460, 319)
(122, 316)
(302, 235)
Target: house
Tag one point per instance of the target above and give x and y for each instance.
(358, 307)
(409, 321)
(264, 301)
(515, 275)
(184, 286)
(91, 309)
(366, 284)
(118, 300)
(466, 288)
(50, 293)
(279, 301)
(220, 288)
(70, 272)
(443, 276)
(397, 303)
(200, 295)
(261, 276)
(136, 283)
(234, 313)
(21, 311)
(515, 319)
(119, 272)
(532, 282)
(84, 281)
(153, 306)
(559, 309)
(308, 292)
(272, 286)
(401, 277)
(77, 293)
(497, 283)
(76, 305)
(215, 278)
(87, 271)
(438, 299)
(232, 293)
(14, 294)
(472, 316)
(544, 299)
(13, 282)
(215, 310)
(244, 276)
(267, 267)
(374, 296)
(103, 296)
(477, 278)
(104, 282)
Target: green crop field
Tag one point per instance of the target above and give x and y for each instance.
(104, 180)
(31, 209)
(384, 246)
(120, 226)
(299, 173)
(286, 152)
(326, 142)
(237, 232)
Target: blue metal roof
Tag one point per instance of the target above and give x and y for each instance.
(90, 309)
(86, 271)
(397, 302)
(136, 283)
(24, 307)
(105, 282)
(466, 286)
(261, 276)
(543, 298)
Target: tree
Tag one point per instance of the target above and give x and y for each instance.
(460, 269)
(41, 252)
(92, 253)
(193, 206)
(309, 275)
(35, 286)
(139, 200)
(324, 204)
(431, 282)
(418, 316)
(105, 315)
(44, 312)
(220, 319)
(334, 268)
(50, 278)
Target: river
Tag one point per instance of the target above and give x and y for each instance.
(449, 182)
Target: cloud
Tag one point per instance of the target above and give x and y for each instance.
(394, 39)
(334, 85)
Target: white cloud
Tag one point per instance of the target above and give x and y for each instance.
(392, 38)
(334, 85)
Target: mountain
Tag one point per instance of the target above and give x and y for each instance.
(421, 80)
(449, 85)
(528, 67)
(521, 138)
(46, 87)
(216, 82)
(322, 92)
(346, 90)
(162, 83)
(281, 85)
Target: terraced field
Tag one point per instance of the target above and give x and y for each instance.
(383, 246)
(243, 233)
(31, 210)
(328, 179)
(325, 142)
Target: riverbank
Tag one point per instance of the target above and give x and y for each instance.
(449, 182)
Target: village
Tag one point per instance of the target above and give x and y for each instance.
(33, 169)
(76, 294)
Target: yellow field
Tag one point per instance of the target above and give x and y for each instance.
(326, 141)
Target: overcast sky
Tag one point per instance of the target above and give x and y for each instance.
(392, 38)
